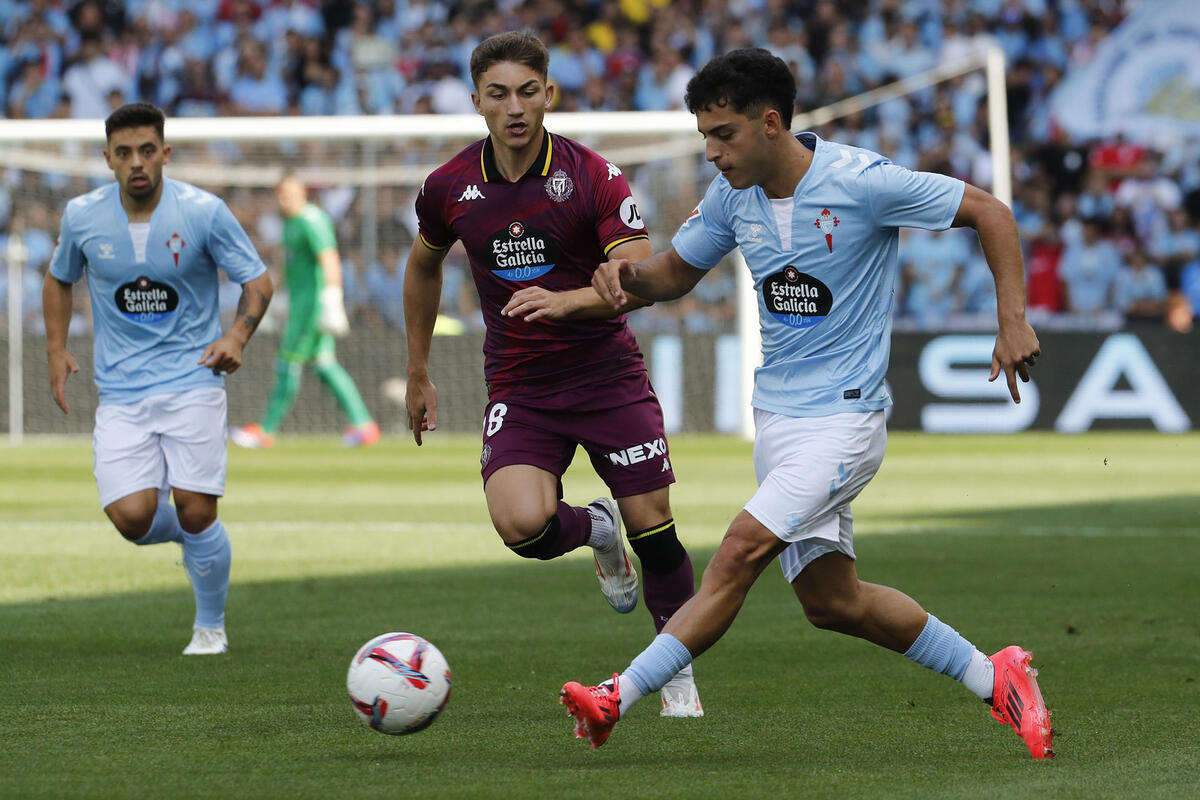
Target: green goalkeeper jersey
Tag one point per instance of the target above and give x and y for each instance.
(304, 236)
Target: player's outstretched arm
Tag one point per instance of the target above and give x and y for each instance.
(56, 310)
(662, 276)
(422, 295)
(225, 354)
(1017, 346)
(534, 302)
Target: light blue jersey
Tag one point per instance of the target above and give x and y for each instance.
(153, 290)
(824, 264)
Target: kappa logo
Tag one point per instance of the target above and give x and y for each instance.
(613, 170)
(107, 251)
(639, 453)
(471, 193)
(176, 244)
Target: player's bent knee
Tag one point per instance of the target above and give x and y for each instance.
(541, 545)
(132, 517)
(832, 613)
(132, 527)
(196, 520)
(197, 512)
(514, 529)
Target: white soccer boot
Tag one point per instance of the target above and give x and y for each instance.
(618, 579)
(679, 696)
(206, 642)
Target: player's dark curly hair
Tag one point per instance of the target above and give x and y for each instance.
(747, 80)
(520, 47)
(135, 115)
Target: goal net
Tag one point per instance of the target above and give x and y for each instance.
(365, 172)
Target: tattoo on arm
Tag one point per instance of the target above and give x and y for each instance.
(250, 321)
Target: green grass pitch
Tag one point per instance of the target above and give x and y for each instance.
(1085, 549)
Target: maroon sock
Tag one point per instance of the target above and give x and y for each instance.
(664, 594)
(568, 529)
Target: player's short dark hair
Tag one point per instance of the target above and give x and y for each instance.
(135, 115)
(520, 47)
(747, 80)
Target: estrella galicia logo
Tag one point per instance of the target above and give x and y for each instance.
(522, 254)
(144, 300)
(796, 299)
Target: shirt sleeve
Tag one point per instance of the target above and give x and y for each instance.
(67, 261)
(431, 222)
(705, 237)
(617, 217)
(230, 247)
(902, 198)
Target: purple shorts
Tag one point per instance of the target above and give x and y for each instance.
(626, 443)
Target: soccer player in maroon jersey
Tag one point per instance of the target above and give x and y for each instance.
(536, 214)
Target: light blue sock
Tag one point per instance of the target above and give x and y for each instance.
(206, 556)
(165, 527)
(942, 649)
(658, 663)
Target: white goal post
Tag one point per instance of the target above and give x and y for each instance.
(628, 139)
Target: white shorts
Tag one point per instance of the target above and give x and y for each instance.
(163, 441)
(808, 471)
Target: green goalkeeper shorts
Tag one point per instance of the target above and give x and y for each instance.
(304, 344)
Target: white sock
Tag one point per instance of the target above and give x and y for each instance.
(980, 676)
(686, 672)
(601, 537)
(630, 693)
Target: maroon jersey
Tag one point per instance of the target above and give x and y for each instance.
(551, 228)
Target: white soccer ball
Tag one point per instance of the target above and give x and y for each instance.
(398, 683)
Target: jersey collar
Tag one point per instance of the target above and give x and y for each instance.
(540, 165)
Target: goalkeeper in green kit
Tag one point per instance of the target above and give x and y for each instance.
(317, 314)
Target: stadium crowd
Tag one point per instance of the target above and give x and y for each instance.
(1109, 227)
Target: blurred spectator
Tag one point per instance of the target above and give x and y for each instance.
(1177, 246)
(1116, 159)
(34, 94)
(932, 264)
(663, 81)
(1149, 195)
(211, 57)
(1096, 200)
(1088, 270)
(91, 78)
(1141, 290)
(1044, 287)
(255, 90)
(1182, 303)
(574, 62)
(198, 95)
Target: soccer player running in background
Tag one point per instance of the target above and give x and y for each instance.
(316, 314)
(536, 213)
(817, 223)
(151, 247)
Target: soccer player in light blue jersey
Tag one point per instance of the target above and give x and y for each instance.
(818, 225)
(151, 247)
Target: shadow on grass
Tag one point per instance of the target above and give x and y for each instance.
(1172, 514)
(97, 701)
